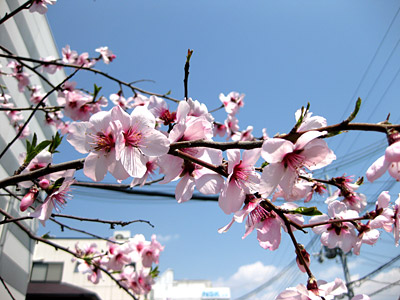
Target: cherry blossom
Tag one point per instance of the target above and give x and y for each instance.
(120, 100)
(192, 175)
(347, 190)
(286, 160)
(151, 252)
(242, 179)
(390, 161)
(69, 56)
(339, 234)
(137, 138)
(159, 108)
(117, 256)
(106, 54)
(323, 290)
(309, 122)
(29, 198)
(22, 77)
(56, 199)
(98, 138)
(90, 259)
(232, 102)
(40, 6)
(48, 67)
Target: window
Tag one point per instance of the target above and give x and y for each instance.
(51, 272)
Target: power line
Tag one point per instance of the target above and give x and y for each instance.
(377, 270)
(277, 276)
(368, 68)
(385, 288)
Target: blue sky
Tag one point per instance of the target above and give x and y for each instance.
(281, 54)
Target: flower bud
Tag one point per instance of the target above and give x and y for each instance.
(44, 183)
(28, 199)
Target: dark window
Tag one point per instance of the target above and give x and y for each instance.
(47, 271)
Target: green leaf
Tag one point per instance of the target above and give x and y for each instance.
(355, 111)
(154, 272)
(55, 142)
(306, 211)
(58, 183)
(264, 164)
(334, 133)
(96, 91)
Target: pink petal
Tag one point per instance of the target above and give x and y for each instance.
(377, 169)
(184, 189)
(270, 178)
(274, 150)
(231, 198)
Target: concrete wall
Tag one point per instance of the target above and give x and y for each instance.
(27, 34)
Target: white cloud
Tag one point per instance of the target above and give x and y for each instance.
(248, 277)
(163, 239)
(380, 281)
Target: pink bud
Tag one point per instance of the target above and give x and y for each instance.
(44, 183)
(28, 199)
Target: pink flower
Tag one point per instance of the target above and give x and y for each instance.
(244, 135)
(310, 122)
(267, 222)
(159, 108)
(78, 105)
(286, 160)
(120, 100)
(314, 291)
(40, 6)
(347, 190)
(192, 175)
(98, 138)
(140, 282)
(219, 129)
(48, 67)
(29, 198)
(151, 252)
(137, 138)
(89, 261)
(118, 256)
(22, 77)
(390, 161)
(106, 54)
(242, 179)
(56, 198)
(339, 234)
(232, 102)
(69, 56)
(151, 166)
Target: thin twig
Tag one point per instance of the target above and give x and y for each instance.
(14, 12)
(6, 287)
(112, 223)
(62, 225)
(34, 111)
(127, 84)
(74, 164)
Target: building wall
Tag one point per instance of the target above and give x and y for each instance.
(106, 289)
(28, 35)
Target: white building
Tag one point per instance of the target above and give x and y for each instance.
(52, 266)
(166, 288)
(26, 34)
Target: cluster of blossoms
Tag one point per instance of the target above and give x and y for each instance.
(137, 144)
(131, 262)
